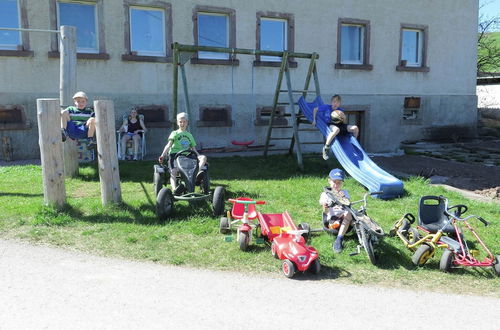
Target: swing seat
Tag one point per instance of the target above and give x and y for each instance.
(242, 143)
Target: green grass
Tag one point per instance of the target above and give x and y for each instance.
(191, 238)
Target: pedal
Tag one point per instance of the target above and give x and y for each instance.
(358, 251)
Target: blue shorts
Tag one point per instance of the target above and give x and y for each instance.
(76, 131)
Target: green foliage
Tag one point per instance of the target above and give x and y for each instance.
(191, 236)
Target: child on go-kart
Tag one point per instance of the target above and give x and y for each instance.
(180, 140)
(334, 215)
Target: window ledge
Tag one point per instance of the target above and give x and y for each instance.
(201, 123)
(17, 53)
(83, 56)
(291, 64)
(142, 58)
(234, 62)
(413, 68)
(366, 67)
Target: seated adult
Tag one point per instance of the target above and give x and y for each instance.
(133, 127)
(78, 122)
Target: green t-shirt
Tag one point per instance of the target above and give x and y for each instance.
(80, 116)
(181, 141)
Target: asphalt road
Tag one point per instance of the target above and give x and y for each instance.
(48, 288)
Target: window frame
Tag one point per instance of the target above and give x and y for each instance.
(425, 33)
(290, 37)
(54, 40)
(365, 64)
(159, 5)
(23, 49)
(231, 13)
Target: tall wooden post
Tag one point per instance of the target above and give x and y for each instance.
(109, 173)
(67, 86)
(51, 151)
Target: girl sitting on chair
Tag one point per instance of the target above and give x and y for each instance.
(133, 127)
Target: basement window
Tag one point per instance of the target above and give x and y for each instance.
(263, 114)
(154, 115)
(13, 117)
(215, 116)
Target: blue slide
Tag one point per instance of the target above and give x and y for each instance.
(354, 159)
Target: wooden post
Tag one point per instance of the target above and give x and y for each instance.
(109, 173)
(67, 86)
(51, 151)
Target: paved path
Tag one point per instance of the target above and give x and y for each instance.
(43, 287)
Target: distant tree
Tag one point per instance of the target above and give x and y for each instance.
(488, 48)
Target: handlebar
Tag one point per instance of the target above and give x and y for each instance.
(239, 201)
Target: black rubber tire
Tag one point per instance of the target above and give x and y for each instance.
(273, 250)
(157, 183)
(288, 268)
(164, 203)
(413, 235)
(224, 225)
(315, 267)
(218, 201)
(496, 267)
(423, 253)
(446, 261)
(367, 244)
(205, 183)
(305, 226)
(243, 240)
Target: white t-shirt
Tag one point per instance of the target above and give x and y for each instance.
(336, 211)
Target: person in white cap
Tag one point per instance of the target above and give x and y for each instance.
(78, 122)
(334, 215)
(180, 140)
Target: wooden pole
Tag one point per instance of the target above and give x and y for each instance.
(51, 152)
(109, 173)
(67, 86)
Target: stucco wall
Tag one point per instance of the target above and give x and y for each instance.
(447, 90)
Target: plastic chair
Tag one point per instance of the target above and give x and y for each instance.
(129, 146)
(432, 216)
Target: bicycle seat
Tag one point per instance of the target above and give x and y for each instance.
(432, 216)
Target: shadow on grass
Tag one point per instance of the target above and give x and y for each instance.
(2, 194)
(326, 273)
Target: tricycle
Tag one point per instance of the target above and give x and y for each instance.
(189, 177)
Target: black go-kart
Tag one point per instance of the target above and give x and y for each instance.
(189, 177)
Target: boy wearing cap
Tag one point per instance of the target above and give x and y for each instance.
(334, 215)
(180, 140)
(325, 112)
(78, 122)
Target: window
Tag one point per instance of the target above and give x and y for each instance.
(148, 32)
(214, 116)
(275, 31)
(87, 17)
(13, 15)
(83, 17)
(215, 27)
(9, 18)
(353, 44)
(413, 48)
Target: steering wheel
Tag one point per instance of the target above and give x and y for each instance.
(460, 209)
(186, 153)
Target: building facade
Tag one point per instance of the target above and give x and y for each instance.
(406, 70)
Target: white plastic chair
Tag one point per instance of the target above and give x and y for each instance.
(129, 146)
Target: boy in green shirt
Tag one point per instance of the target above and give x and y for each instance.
(180, 140)
(78, 122)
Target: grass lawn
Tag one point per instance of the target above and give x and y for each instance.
(191, 237)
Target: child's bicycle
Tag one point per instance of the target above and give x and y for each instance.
(368, 231)
(441, 227)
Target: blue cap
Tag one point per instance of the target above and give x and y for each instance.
(336, 174)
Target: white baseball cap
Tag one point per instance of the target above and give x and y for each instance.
(80, 94)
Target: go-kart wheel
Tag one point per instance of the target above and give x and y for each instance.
(423, 253)
(244, 240)
(497, 265)
(413, 235)
(446, 260)
(157, 183)
(164, 203)
(288, 268)
(224, 225)
(218, 201)
(274, 250)
(315, 267)
(305, 226)
(368, 245)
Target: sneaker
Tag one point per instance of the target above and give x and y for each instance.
(135, 158)
(325, 153)
(64, 135)
(91, 143)
(337, 246)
